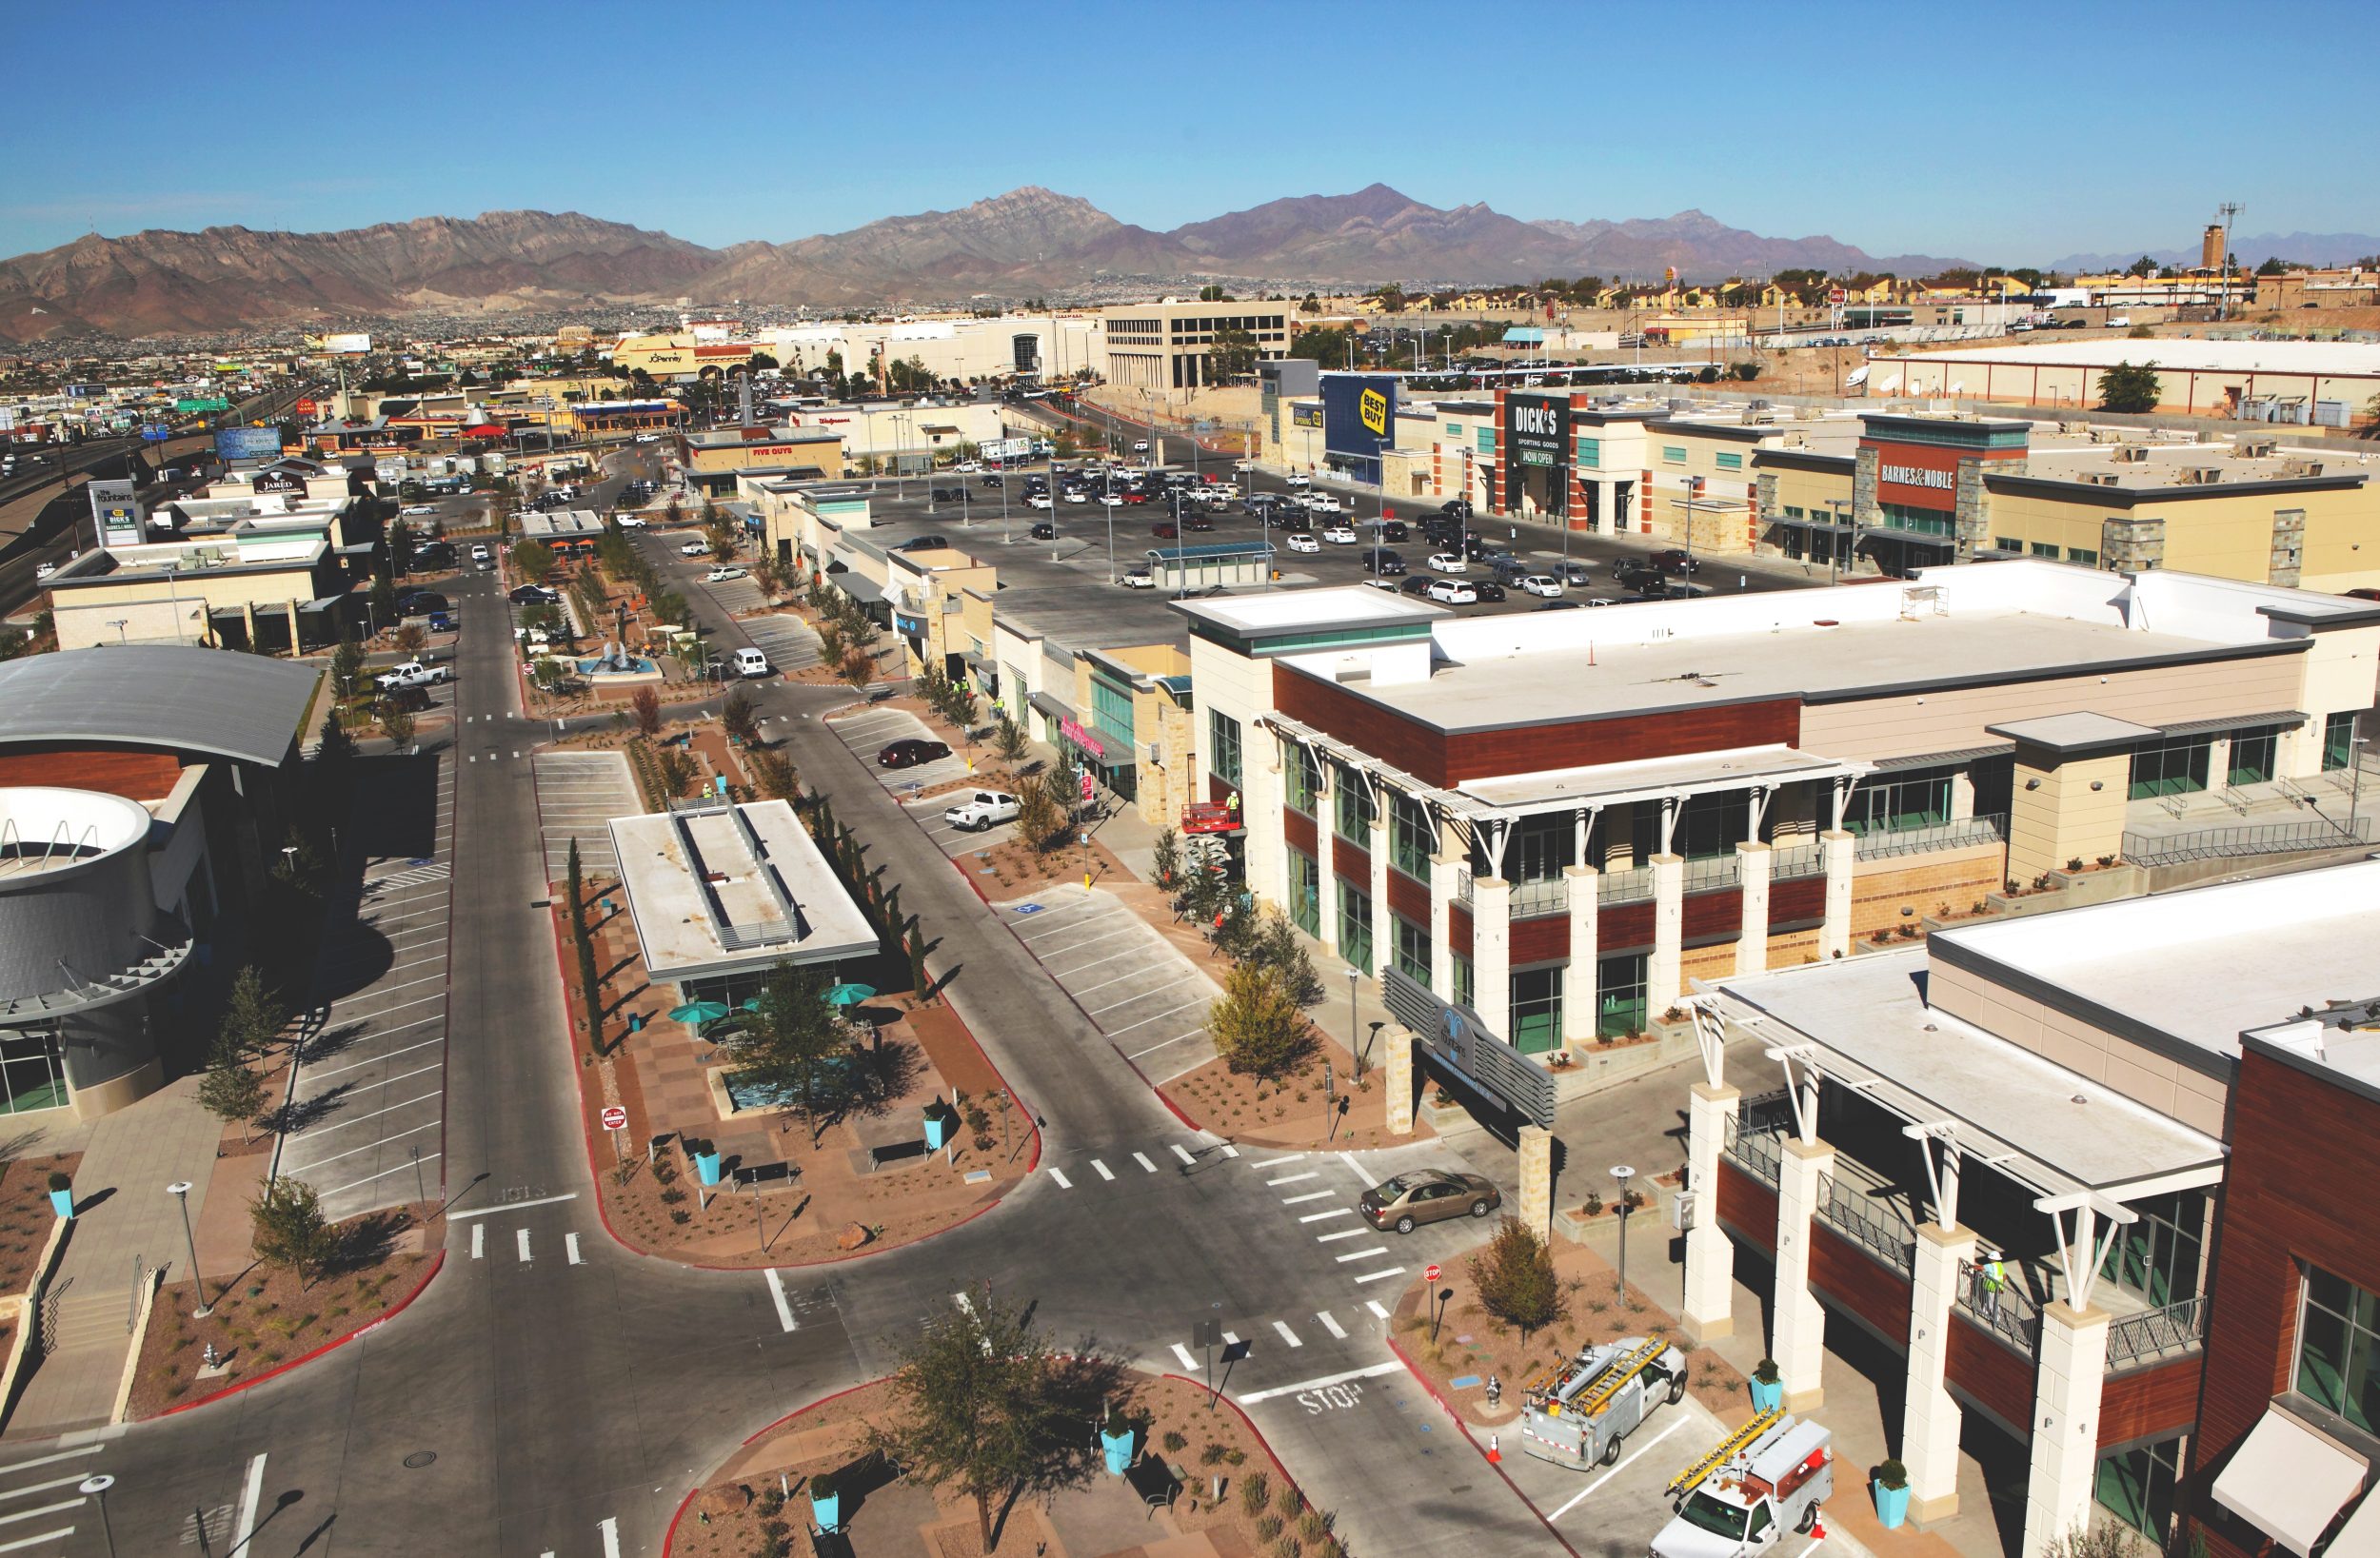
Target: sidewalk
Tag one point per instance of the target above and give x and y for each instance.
(124, 1219)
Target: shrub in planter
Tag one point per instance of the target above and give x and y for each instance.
(1892, 1494)
(1768, 1386)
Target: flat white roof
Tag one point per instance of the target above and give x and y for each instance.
(1318, 610)
(684, 903)
(2180, 353)
(2202, 965)
(1869, 1015)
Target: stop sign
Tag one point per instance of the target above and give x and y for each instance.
(616, 1119)
(1432, 1274)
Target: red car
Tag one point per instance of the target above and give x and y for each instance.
(1136, 495)
(911, 752)
(1165, 530)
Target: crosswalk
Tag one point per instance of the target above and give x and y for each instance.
(1302, 1180)
(42, 1502)
(506, 1236)
(787, 643)
(418, 875)
(1141, 1162)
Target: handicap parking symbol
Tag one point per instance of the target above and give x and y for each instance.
(1029, 908)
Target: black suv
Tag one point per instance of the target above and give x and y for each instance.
(1380, 560)
(922, 543)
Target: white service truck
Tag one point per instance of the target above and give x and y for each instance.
(1575, 1415)
(1739, 1500)
(412, 673)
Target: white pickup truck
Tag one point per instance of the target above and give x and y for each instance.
(984, 809)
(1741, 1497)
(412, 673)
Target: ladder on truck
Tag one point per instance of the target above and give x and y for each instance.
(1727, 1449)
(1599, 1396)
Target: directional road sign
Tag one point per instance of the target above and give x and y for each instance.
(616, 1119)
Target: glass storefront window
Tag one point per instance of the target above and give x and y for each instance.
(1413, 952)
(2136, 1486)
(2171, 768)
(1305, 893)
(2338, 739)
(1301, 778)
(1536, 994)
(1619, 995)
(1355, 926)
(1916, 799)
(2251, 756)
(1461, 966)
(1353, 812)
(1223, 746)
(1410, 835)
(31, 1072)
(2158, 1255)
(2338, 1330)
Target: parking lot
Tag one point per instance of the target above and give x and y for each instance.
(868, 731)
(1136, 987)
(785, 639)
(577, 793)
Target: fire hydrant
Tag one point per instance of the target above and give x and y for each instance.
(1496, 1391)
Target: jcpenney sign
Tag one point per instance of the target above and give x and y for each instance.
(1919, 476)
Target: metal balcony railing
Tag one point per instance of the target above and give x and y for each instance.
(2134, 1339)
(2265, 838)
(1794, 861)
(1712, 872)
(1959, 835)
(1873, 1222)
(1545, 895)
(2012, 1314)
(1755, 1134)
(1624, 886)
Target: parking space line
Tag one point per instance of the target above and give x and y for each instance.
(1337, 1331)
(1374, 1276)
(1616, 1471)
(341, 1125)
(1168, 1043)
(1104, 983)
(1318, 1216)
(1102, 1168)
(385, 1055)
(365, 1147)
(1364, 1255)
(1315, 1195)
(1160, 1016)
(1178, 979)
(383, 1174)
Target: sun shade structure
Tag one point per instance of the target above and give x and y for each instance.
(698, 1012)
(850, 994)
(2289, 1481)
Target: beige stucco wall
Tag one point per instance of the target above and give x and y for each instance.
(2059, 818)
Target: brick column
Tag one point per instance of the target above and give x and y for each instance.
(1583, 882)
(1492, 954)
(1799, 1320)
(1398, 1065)
(1536, 1181)
(1664, 970)
(2064, 1422)
(1838, 849)
(1709, 1311)
(1752, 942)
(1442, 869)
(1930, 1416)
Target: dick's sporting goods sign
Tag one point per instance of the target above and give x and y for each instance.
(1536, 429)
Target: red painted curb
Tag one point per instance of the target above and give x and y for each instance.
(1423, 1380)
(383, 1318)
(1266, 1445)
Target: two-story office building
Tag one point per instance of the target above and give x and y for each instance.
(1561, 820)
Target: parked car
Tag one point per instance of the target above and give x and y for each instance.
(409, 699)
(922, 543)
(629, 521)
(421, 603)
(1040, 499)
(695, 548)
(532, 595)
(909, 752)
(1379, 559)
(1044, 530)
(1198, 522)
(1565, 605)
(1453, 592)
(1575, 573)
(1296, 479)
(1076, 495)
(1427, 1196)
(1415, 585)
(980, 811)
(1542, 584)
(442, 622)
(1391, 529)
(751, 663)
(1487, 589)
(1138, 579)
(479, 553)
(724, 572)
(1449, 562)
(1676, 562)
(1339, 534)
(1299, 540)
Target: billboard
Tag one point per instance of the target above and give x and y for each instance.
(1004, 448)
(249, 444)
(116, 513)
(1305, 416)
(347, 345)
(202, 402)
(1359, 421)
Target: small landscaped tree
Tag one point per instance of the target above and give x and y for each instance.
(289, 1230)
(1515, 1279)
(252, 1016)
(739, 717)
(793, 1033)
(1009, 738)
(230, 1091)
(1257, 1025)
(2129, 388)
(646, 704)
(397, 725)
(533, 561)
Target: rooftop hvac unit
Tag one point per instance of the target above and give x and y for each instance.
(2301, 467)
(2199, 476)
(2257, 448)
(2101, 479)
(2132, 454)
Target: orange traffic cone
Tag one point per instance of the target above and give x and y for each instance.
(1817, 1528)
(1495, 1455)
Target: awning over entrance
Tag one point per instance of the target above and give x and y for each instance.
(1049, 707)
(2289, 1481)
(859, 587)
(2360, 1536)
(2278, 719)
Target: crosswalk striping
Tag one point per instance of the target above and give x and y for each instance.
(1286, 1334)
(1142, 1159)
(1064, 1183)
(1102, 1168)
(1338, 1332)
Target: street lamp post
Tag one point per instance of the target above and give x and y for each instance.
(1354, 978)
(1839, 506)
(180, 1190)
(96, 1487)
(1623, 1173)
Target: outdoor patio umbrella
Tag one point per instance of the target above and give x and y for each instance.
(698, 1012)
(849, 995)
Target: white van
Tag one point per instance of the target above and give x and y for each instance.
(751, 663)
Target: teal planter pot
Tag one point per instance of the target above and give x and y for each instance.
(826, 1513)
(937, 1130)
(1118, 1447)
(62, 1202)
(1891, 1506)
(706, 1167)
(1766, 1397)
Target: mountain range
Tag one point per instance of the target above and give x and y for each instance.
(2312, 248)
(1029, 241)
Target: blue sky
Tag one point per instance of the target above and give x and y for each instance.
(2000, 134)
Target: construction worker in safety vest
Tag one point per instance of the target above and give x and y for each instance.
(1989, 1279)
(1232, 800)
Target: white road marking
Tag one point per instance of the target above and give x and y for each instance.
(1310, 1195)
(777, 1292)
(1278, 1161)
(1231, 1338)
(1360, 1254)
(1616, 1469)
(1293, 1178)
(1144, 994)
(37, 1541)
(1166, 1044)
(1145, 1022)
(427, 1157)
(1374, 1276)
(1342, 1234)
(1064, 1183)
(32, 1488)
(1183, 1152)
(1337, 1212)
(1286, 1334)
(479, 1241)
(1142, 1159)
(521, 1241)
(612, 1538)
(1330, 1325)
(1229, 1150)
(515, 1206)
(1101, 1168)
(1374, 1305)
(391, 1055)
(1184, 1354)
(52, 1460)
(1373, 1372)
(245, 1527)
(1355, 1168)
(383, 1141)
(44, 1509)
(571, 1247)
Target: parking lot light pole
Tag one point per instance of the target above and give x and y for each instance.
(1623, 1172)
(1354, 976)
(96, 1487)
(180, 1190)
(1834, 543)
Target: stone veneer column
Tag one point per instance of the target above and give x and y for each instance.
(1664, 972)
(2065, 1450)
(1397, 1064)
(1930, 1417)
(1709, 1311)
(1578, 993)
(1838, 849)
(1755, 861)
(1536, 1181)
(1442, 869)
(1325, 885)
(1799, 1321)
(1492, 954)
